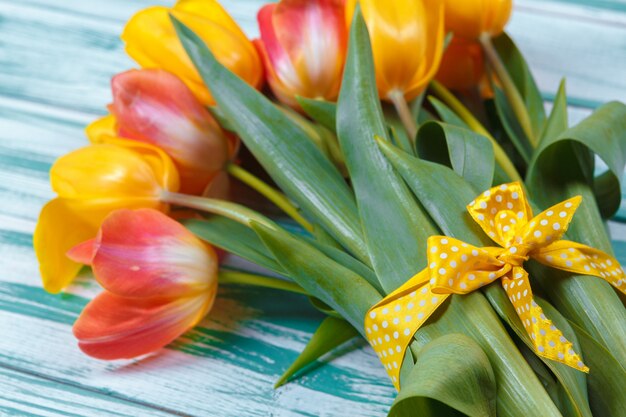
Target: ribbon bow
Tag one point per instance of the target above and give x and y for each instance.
(455, 267)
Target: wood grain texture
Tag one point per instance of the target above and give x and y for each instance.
(56, 59)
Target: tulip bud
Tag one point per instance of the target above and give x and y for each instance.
(472, 18)
(462, 66)
(152, 42)
(303, 45)
(159, 281)
(407, 42)
(155, 107)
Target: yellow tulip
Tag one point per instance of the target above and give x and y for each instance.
(407, 42)
(90, 183)
(472, 18)
(151, 41)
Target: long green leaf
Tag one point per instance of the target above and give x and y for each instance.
(522, 78)
(468, 153)
(607, 377)
(557, 122)
(323, 112)
(562, 167)
(468, 386)
(394, 226)
(281, 146)
(511, 125)
(343, 290)
(331, 333)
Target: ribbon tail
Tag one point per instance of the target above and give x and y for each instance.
(548, 341)
(582, 259)
(391, 324)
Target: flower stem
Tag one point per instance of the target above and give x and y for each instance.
(510, 90)
(227, 209)
(451, 101)
(245, 278)
(270, 193)
(403, 110)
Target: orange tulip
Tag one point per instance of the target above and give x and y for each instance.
(90, 183)
(462, 66)
(155, 107)
(303, 44)
(152, 42)
(407, 42)
(159, 280)
(472, 18)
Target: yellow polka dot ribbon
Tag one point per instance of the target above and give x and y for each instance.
(455, 267)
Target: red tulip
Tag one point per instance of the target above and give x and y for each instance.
(303, 44)
(159, 281)
(155, 106)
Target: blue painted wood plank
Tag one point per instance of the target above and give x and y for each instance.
(24, 394)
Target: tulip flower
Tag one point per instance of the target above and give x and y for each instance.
(407, 42)
(473, 18)
(462, 65)
(90, 183)
(159, 280)
(303, 45)
(156, 107)
(152, 42)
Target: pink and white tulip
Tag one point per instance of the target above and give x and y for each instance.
(155, 106)
(303, 44)
(159, 281)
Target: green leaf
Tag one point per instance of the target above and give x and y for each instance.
(561, 168)
(286, 152)
(468, 386)
(468, 153)
(557, 122)
(607, 377)
(446, 114)
(331, 333)
(231, 276)
(323, 112)
(340, 288)
(394, 226)
(523, 80)
(349, 262)
(511, 125)
(235, 238)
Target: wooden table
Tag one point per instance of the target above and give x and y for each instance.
(56, 59)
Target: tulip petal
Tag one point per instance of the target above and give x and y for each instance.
(57, 231)
(101, 129)
(105, 172)
(113, 327)
(83, 253)
(144, 253)
(155, 106)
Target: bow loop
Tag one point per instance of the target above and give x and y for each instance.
(550, 225)
(456, 267)
(501, 212)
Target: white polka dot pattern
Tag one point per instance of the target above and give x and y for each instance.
(455, 267)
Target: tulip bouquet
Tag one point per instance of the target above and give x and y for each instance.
(408, 145)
